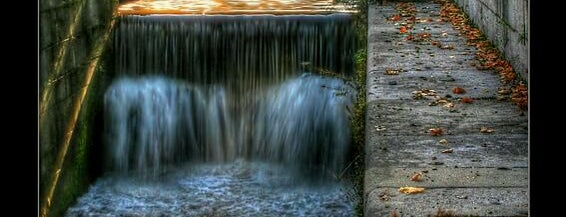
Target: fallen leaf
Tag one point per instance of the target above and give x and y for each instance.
(392, 71)
(396, 17)
(486, 130)
(380, 128)
(403, 29)
(411, 190)
(466, 100)
(420, 94)
(449, 47)
(439, 101)
(458, 90)
(435, 131)
(443, 141)
(393, 213)
(384, 195)
(521, 96)
(448, 105)
(417, 177)
(504, 91)
(446, 151)
(442, 101)
(424, 35)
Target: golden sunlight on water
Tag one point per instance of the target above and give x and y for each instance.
(232, 7)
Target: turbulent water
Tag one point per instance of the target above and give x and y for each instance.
(213, 116)
(237, 189)
(153, 122)
(204, 159)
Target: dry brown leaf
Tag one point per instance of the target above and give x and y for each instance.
(448, 105)
(435, 43)
(384, 195)
(448, 47)
(419, 94)
(446, 151)
(417, 177)
(435, 131)
(504, 91)
(393, 213)
(443, 141)
(458, 90)
(467, 100)
(411, 190)
(396, 17)
(442, 101)
(521, 96)
(392, 71)
(403, 29)
(486, 130)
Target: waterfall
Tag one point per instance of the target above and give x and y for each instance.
(221, 88)
(240, 52)
(153, 122)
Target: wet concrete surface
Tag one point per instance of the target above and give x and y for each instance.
(480, 173)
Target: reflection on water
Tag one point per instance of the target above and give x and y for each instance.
(232, 7)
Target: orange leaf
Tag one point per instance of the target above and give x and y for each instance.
(417, 177)
(435, 131)
(403, 29)
(466, 100)
(411, 190)
(458, 90)
(395, 18)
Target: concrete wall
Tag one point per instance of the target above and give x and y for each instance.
(506, 24)
(70, 31)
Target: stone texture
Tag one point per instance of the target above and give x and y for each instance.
(69, 32)
(506, 24)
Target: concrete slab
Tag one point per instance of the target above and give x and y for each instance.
(458, 201)
(496, 151)
(476, 84)
(443, 177)
(416, 117)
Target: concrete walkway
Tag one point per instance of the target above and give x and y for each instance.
(486, 174)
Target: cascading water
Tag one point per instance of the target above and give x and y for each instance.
(217, 112)
(239, 52)
(303, 123)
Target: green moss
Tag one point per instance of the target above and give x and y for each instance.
(75, 174)
(359, 112)
(74, 178)
(358, 128)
